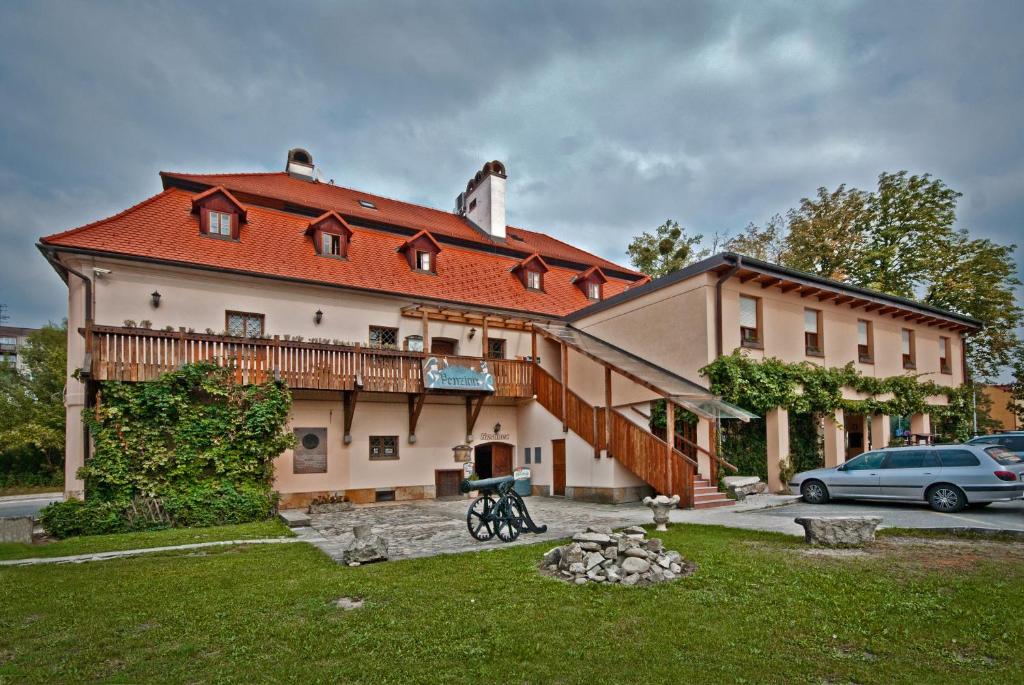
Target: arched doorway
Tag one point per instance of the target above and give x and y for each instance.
(493, 459)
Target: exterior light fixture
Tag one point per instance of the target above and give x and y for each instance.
(497, 428)
(318, 317)
(462, 453)
(154, 299)
(472, 332)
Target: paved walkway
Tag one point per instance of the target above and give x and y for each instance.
(429, 527)
(120, 554)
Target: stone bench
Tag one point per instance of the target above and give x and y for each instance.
(839, 531)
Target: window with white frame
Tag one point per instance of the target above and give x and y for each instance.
(594, 290)
(220, 223)
(331, 245)
(422, 260)
(533, 280)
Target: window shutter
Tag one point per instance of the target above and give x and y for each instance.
(748, 312)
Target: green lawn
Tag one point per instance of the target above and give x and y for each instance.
(757, 611)
(156, 538)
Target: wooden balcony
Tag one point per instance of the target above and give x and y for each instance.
(135, 354)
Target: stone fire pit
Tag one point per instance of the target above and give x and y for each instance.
(599, 555)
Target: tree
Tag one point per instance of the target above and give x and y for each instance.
(668, 249)
(766, 243)
(32, 412)
(910, 222)
(827, 234)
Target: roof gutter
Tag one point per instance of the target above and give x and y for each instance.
(719, 341)
(49, 254)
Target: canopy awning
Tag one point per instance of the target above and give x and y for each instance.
(679, 390)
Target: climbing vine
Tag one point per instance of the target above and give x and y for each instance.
(191, 448)
(804, 388)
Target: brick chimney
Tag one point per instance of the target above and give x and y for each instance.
(483, 203)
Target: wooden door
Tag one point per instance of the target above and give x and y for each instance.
(444, 346)
(446, 482)
(501, 460)
(558, 467)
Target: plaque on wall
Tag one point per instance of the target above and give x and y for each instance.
(310, 453)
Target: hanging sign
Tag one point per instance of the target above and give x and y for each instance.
(440, 375)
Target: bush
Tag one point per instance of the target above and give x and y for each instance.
(75, 517)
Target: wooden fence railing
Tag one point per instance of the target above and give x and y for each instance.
(548, 390)
(132, 354)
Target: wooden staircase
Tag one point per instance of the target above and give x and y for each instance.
(669, 470)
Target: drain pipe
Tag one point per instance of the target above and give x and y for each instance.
(718, 302)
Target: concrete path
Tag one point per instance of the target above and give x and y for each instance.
(27, 505)
(120, 554)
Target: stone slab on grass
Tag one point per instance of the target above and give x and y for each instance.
(16, 529)
(294, 518)
(839, 531)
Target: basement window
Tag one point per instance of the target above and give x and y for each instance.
(367, 204)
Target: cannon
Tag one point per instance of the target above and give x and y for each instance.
(498, 510)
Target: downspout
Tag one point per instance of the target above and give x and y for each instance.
(718, 303)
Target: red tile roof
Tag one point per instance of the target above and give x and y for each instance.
(325, 196)
(275, 243)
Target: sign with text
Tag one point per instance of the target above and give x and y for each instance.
(440, 375)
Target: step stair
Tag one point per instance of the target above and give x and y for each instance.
(707, 496)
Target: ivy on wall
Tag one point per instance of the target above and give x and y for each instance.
(191, 448)
(804, 388)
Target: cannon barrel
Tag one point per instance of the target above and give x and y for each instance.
(485, 484)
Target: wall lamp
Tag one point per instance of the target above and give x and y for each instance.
(497, 427)
(154, 299)
(318, 317)
(472, 332)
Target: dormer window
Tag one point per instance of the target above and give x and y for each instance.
(531, 272)
(591, 282)
(421, 251)
(220, 224)
(331, 235)
(533, 280)
(594, 291)
(220, 214)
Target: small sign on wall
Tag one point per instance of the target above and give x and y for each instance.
(310, 453)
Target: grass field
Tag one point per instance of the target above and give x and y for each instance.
(758, 610)
(157, 538)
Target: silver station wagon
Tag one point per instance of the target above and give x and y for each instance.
(948, 477)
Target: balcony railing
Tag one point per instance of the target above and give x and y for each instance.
(135, 354)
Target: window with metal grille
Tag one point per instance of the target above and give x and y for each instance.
(865, 353)
(750, 321)
(812, 332)
(382, 336)
(495, 348)
(383, 447)
(244, 324)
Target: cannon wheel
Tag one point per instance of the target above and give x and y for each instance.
(508, 519)
(478, 518)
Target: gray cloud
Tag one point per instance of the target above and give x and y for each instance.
(610, 116)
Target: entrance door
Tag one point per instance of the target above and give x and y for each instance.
(445, 346)
(558, 467)
(446, 483)
(501, 460)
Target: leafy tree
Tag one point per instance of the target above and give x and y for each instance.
(766, 243)
(827, 233)
(32, 405)
(668, 249)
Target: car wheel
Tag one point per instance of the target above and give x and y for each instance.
(947, 498)
(814, 492)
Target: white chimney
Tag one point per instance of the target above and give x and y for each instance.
(484, 200)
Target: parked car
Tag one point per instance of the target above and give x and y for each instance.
(948, 477)
(1011, 440)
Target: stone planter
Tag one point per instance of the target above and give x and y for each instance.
(660, 507)
(839, 531)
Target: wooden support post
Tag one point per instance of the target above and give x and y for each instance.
(426, 332)
(565, 388)
(533, 360)
(415, 407)
(670, 438)
(483, 339)
(472, 413)
(350, 398)
(607, 428)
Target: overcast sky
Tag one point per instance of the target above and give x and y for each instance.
(611, 117)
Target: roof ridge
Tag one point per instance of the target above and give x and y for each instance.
(124, 212)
